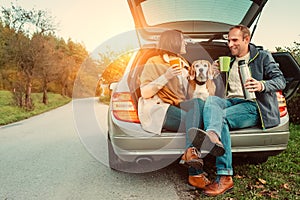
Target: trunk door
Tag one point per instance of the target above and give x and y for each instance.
(205, 19)
(291, 71)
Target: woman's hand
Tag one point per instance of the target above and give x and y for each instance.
(173, 71)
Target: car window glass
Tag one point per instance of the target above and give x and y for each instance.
(224, 11)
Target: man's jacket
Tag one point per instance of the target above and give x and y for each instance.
(264, 68)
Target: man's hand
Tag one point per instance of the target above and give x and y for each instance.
(253, 85)
(215, 68)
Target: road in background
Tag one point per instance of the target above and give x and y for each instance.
(44, 158)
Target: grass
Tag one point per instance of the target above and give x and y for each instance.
(278, 178)
(10, 113)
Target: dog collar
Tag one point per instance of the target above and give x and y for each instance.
(200, 83)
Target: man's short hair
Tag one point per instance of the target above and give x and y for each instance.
(244, 29)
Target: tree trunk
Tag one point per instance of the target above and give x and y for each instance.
(45, 94)
(64, 90)
(28, 100)
(45, 97)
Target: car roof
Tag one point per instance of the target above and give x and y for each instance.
(195, 18)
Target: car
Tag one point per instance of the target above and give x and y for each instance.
(205, 25)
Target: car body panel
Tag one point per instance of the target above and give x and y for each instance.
(250, 140)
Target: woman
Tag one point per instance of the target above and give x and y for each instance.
(163, 103)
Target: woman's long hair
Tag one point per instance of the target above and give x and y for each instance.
(170, 42)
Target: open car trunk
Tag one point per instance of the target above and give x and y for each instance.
(206, 24)
(211, 51)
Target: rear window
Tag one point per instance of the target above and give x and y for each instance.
(221, 11)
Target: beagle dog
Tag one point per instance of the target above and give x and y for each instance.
(201, 83)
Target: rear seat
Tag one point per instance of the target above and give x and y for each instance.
(196, 52)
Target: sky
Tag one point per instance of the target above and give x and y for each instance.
(93, 22)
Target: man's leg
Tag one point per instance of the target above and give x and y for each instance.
(209, 141)
(224, 162)
(213, 114)
(241, 114)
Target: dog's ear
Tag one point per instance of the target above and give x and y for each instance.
(210, 71)
(211, 87)
(192, 72)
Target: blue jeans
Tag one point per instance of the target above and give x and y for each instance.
(182, 119)
(221, 115)
(187, 116)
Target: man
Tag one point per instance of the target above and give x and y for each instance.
(235, 111)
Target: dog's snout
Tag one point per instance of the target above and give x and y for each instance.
(201, 69)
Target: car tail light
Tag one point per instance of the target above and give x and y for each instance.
(281, 104)
(123, 107)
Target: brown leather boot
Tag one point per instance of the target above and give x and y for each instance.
(191, 157)
(220, 186)
(199, 181)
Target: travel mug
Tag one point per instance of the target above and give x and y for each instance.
(244, 73)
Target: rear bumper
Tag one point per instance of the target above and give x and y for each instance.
(129, 145)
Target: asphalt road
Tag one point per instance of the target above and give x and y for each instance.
(56, 155)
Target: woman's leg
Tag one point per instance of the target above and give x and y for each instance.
(194, 109)
(175, 119)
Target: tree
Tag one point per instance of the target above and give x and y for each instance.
(26, 24)
(115, 69)
(29, 22)
(23, 56)
(294, 50)
(66, 80)
(47, 61)
(78, 54)
(106, 58)
(86, 81)
(7, 65)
